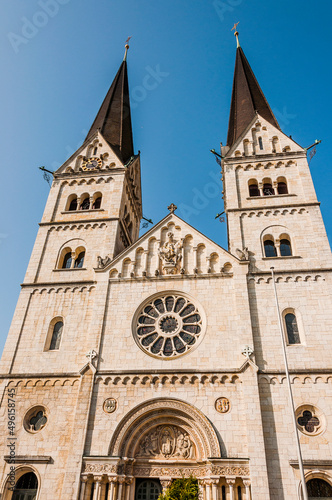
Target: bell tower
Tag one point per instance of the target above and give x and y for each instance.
(94, 207)
(270, 200)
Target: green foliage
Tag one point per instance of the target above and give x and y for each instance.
(181, 489)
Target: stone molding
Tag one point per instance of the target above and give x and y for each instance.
(296, 379)
(259, 211)
(163, 379)
(287, 279)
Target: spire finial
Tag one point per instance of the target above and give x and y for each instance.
(126, 47)
(236, 34)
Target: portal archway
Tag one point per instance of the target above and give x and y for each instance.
(165, 428)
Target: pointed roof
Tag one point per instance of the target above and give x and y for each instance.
(247, 99)
(114, 119)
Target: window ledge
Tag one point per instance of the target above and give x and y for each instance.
(282, 257)
(84, 211)
(264, 197)
(71, 269)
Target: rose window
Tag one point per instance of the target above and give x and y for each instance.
(168, 326)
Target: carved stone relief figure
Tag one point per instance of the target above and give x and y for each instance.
(171, 254)
(166, 442)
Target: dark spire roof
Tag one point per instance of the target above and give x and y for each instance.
(113, 119)
(247, 98)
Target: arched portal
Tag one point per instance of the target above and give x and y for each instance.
(165, 429)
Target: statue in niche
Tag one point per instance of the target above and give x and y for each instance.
(171, 254)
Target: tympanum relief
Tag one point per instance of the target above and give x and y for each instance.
(166, 442)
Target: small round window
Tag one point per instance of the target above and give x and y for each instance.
(310, 420)
(168, 325)
(35, 419)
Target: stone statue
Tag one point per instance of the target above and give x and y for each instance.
(102, 262)
(171, 254)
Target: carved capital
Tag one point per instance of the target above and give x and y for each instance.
(230, 481)
(98, 479)
(246, 482)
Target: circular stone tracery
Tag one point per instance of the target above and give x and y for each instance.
(168, 326)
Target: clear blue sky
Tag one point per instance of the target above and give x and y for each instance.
(60, 56)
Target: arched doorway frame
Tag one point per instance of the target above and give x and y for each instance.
(157, 409)
(315, 474)
(7, 494)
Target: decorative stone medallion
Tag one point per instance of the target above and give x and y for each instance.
(168, 325)
(109, 405)
(222, 405)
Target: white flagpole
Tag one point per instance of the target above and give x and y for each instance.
(291, 400)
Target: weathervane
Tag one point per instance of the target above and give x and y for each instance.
(236, 33)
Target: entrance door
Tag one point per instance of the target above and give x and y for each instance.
(148, 489)
(26, 487)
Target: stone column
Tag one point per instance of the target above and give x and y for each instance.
(200, 489)
(84, 481)
(260, 187)
(277, 245)
(73, 255)
(121, 481)
(111, 490)
(146, 262)
(195, 270)
(246, 483)
(97, 492)
(231, 483)
(129, 481)
(208, 483)
(215, 483)
(90, 202)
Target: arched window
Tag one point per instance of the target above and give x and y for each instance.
(282, 188)
(318, 489)
(292, 330)
(73, 204)
(95, 151)
(97, 203)
(56, 336)
(268, 189)
(254, 189)
(285, 248)
(79, 260)
(223, 493)
(85, 205)
(260, 142)
(67, 260)
(239, 493)
(269, 248)
(26, 487)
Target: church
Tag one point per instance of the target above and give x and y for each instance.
(132, 361)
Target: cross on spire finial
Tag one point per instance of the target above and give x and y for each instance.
(172, 208)
(236, 34)
(247, 351)
(126, 47)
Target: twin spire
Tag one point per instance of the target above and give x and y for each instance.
(247, 98)
(114, 119)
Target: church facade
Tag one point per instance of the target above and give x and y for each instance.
(134, 361)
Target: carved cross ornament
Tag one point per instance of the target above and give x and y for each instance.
(91, 355)
(247, 351)
(172, 208)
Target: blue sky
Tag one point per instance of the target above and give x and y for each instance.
(60, 56)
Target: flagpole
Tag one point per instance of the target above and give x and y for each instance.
(291, 400)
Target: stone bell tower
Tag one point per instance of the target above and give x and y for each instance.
(269, 196)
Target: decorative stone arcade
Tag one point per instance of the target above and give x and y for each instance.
(164, 439)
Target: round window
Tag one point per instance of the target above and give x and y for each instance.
(35, 419)
(310, 420)
(168, 325)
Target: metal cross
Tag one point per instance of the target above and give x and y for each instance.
(247, 351)
(234, 27)
(172, 208)
(91, 355)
